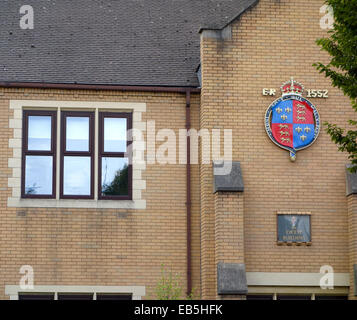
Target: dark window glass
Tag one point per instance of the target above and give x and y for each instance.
(77, 152)
(37, 296)
(69, 296)
(297, 297)
(318, 297)
(113, 297)
(115, 170)
(260, 297)
(38, 154)
(115, 176)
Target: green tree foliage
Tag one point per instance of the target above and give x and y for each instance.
(119, 185)
(342, 69)
(31, 190)
(169, 287)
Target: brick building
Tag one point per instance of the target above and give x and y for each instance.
(93, 217)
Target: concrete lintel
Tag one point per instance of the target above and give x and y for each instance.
(229, 181)
(231, 279)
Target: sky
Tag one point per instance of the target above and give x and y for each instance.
(38, 175)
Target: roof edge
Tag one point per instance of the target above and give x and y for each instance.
(75, 86)
(230, 21)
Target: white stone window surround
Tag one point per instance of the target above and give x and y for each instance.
(295, 283)
(294, 279)
(15, 143)
(137, 292)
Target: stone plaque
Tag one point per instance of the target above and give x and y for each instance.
(294, 228)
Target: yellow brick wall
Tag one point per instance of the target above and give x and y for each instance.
(229, 227)
(103, 247)
(229, 231)
(270, 43)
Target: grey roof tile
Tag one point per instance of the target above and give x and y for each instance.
(117, 42)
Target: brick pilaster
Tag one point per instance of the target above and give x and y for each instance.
(351, 192)
(229, 231)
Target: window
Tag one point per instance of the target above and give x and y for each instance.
(78, 296)
(115, 170)
(260, 297)
(74, 296)
(77, 153)
(294, 297)
(77, 168)
(73, 292)
(36, 296)
(39, 154)
(321, 297)
(106, 296)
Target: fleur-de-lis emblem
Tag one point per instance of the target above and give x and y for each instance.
(292, 122)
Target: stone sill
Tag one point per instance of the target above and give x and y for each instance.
(72, 203)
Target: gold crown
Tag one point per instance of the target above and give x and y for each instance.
(292, 87)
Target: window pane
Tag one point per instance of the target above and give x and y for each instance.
(104, 296)
(39, 133)
(260, 297)
(82, 296)
(286, 297)
(38, 175)
(77, 134)
(37, 296)
(331, 297)
(115, 134)
(76, 176)
(115, 176)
